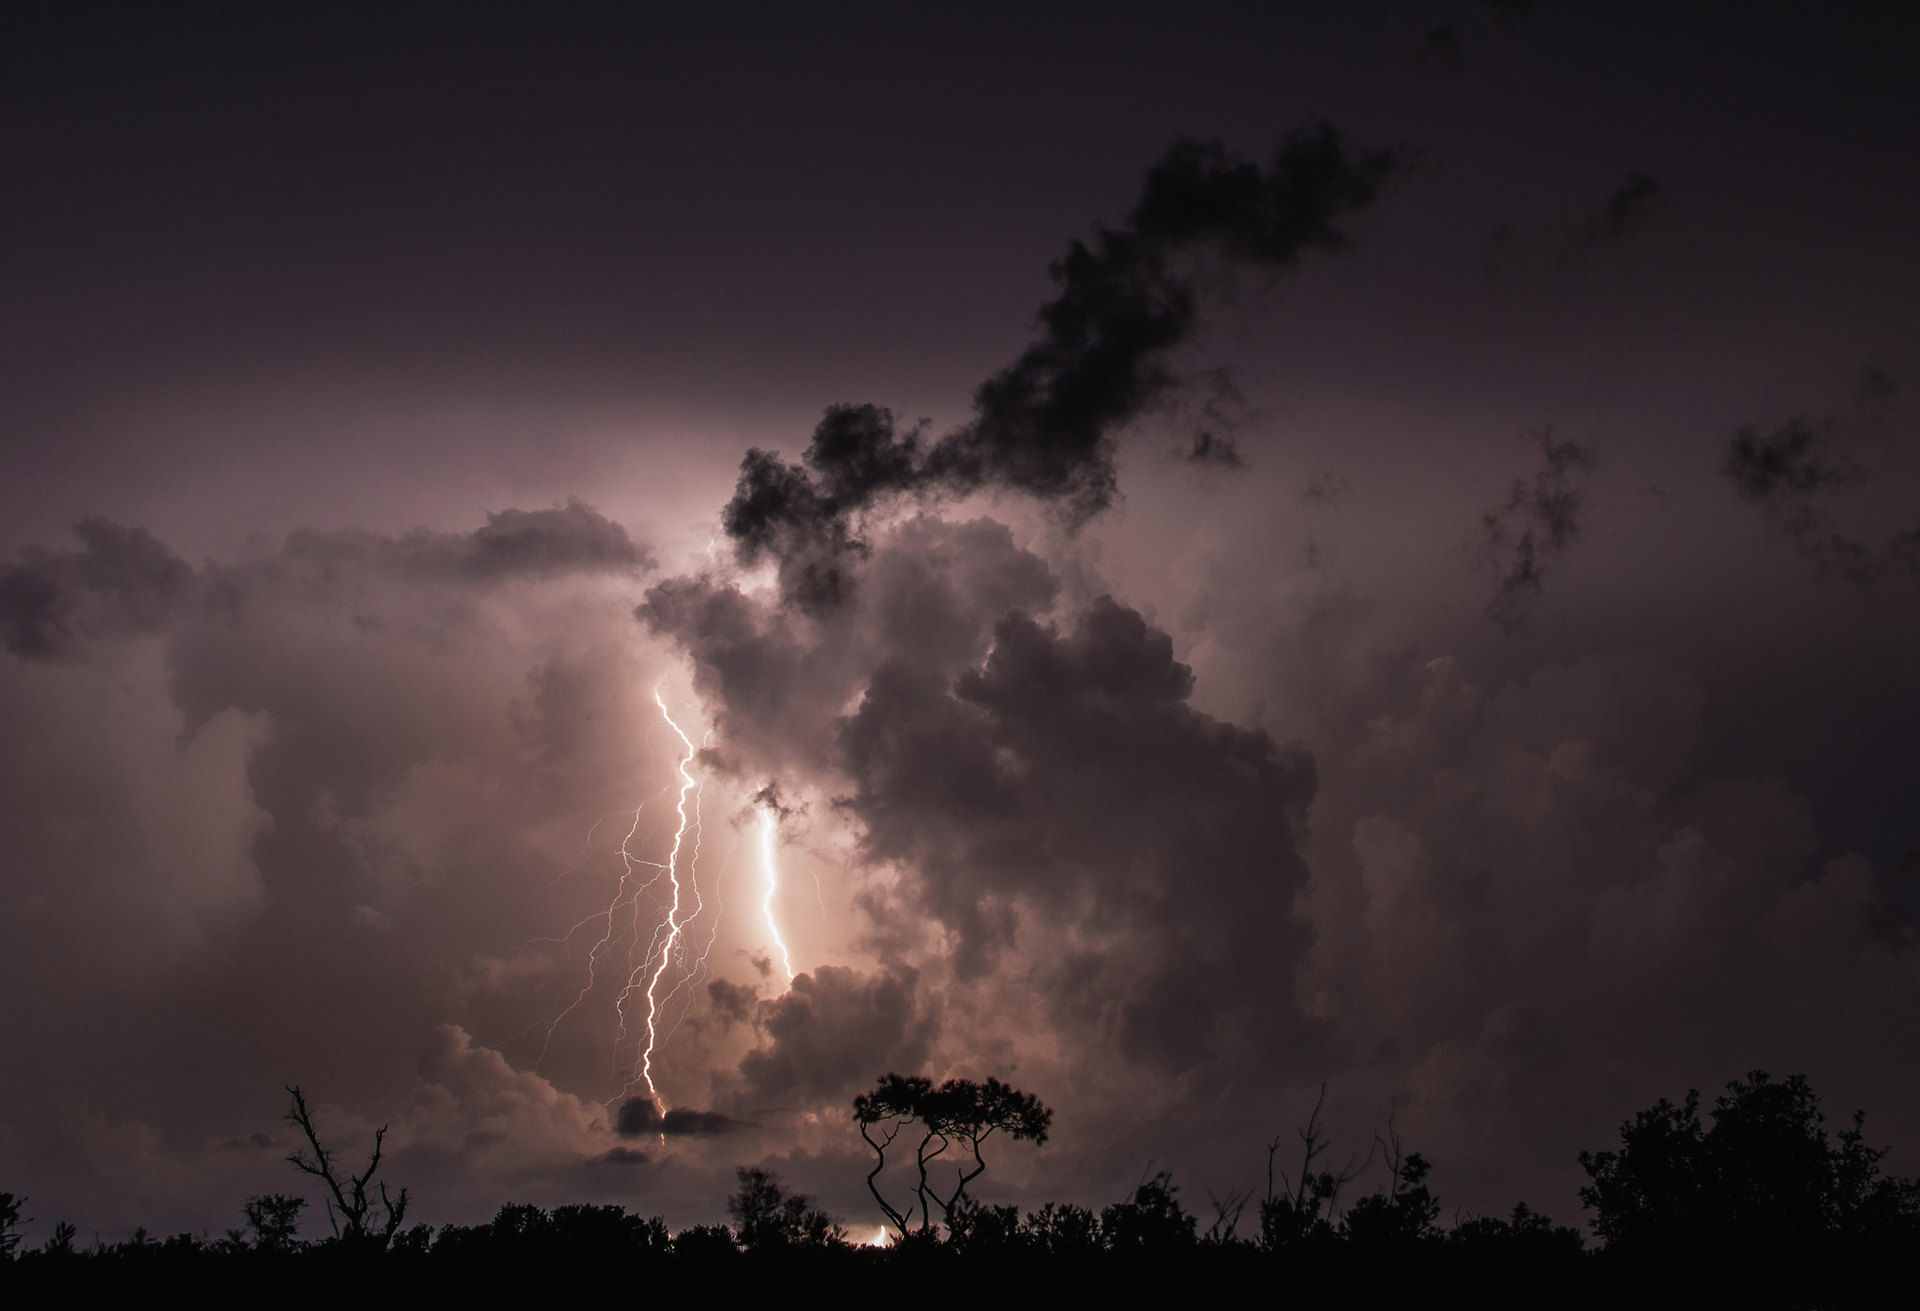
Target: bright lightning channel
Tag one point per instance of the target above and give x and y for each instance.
(687, 782)
(770, 873)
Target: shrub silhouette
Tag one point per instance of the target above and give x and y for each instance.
(1062, 1230)
(1404, 1213)
(1153, 1221)
(1526, 1230)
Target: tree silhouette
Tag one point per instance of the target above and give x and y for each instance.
(1765, 1177)
(959, 1114)
(349, 1205)
(770, 1218)
(1305, 1207)
(274, 1219)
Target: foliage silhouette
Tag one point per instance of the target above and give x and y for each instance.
(705, 1243)
(61, 1241)
(10, 1223)
(1406, 1211)
(770, 1218)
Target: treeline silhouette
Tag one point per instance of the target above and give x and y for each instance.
(1761, 1203)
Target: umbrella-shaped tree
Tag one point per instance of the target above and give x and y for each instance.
(958, 1116)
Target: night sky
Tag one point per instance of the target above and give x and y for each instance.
(1222, 548)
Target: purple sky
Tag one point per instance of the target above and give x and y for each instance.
(1504, 716)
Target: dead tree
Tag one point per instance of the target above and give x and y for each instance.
(349, 1204)
(1311, 1202)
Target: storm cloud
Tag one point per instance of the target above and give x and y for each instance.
(1045, 425)
(1135, 733)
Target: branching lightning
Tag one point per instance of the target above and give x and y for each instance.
(675, 940)
(620, 894)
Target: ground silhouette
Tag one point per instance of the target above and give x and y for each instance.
(1761, 1205)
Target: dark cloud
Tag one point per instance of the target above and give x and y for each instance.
(1627, 210)
(620, 1156)
(122, 583)
(1539, 519)
(1797, 473)
(1325, 491)
(732, 1002)
(1629, 203)
(1789, 461)
(1045, 425)
(1215, 451)
(804, 521)
(638, 1118)
(1065, 787)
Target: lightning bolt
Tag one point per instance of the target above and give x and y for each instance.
(687, 783)
(770, 877)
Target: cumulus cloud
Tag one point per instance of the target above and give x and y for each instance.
(776, 681)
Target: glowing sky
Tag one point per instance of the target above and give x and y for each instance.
(1468, 662)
